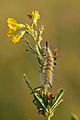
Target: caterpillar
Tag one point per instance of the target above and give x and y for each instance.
(48, 66)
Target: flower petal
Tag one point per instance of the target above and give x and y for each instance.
(11, 21)
(15, 39)
(13, 25)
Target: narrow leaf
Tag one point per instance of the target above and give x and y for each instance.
(37, 88)
(27, 50)
(37, 103)
(31, 49)
(57, 105)
(40, 61)
(26, 81)
(57, 99)
(40, 100)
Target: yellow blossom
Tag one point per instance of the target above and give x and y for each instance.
(35, 17)
(13, 25)
(15, 39)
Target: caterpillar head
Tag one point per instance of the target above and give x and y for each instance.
(44, 50)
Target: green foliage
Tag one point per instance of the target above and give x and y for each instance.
(57, 100)
(27, 83)
(43, 102)
(39, 99)
(30, 47)
(74, 117)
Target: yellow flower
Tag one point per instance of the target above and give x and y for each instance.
(15, 39)
(13, 25)
(35, 17)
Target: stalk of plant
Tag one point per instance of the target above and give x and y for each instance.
(45, 101)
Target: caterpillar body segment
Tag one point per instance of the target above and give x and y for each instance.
(48, 67)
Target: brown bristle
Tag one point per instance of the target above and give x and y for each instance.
(55, 51)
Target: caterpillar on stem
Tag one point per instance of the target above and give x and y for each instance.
(49, 65)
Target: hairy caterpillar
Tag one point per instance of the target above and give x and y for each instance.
(48, 67)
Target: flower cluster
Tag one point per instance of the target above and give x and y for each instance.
(35, 17)
(13, 26)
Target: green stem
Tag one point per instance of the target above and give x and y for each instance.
(30, 34)
(37, 48)
(48, 118)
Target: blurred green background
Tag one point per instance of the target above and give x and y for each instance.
(62, 29)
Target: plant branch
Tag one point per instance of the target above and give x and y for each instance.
(48, 118)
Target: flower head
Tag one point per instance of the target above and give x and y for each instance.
(35, 17)
(15, 39)
(13, 25)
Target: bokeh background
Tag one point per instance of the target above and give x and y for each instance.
(61, 19)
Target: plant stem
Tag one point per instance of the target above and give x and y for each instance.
(48, 118)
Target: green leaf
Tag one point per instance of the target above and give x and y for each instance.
(31, 50)
(57, 105)
(40, 50)
(37, 103)
(57, 100)
(27, 83)
(74, 117)
(37, 88)
(29, 45)
(39, 99)
(59, 95)
(40, 61)
(27, 50)
(30, 33)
